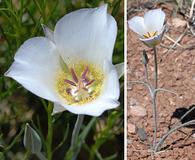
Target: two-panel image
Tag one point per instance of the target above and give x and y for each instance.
(97, 79)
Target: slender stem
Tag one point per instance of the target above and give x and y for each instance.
(17, 137)
(155, 68)
(50, 132)
(26, 156)
(75, 134)
(154, 110)
(157, 148)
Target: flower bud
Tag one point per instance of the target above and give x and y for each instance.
(145, 59)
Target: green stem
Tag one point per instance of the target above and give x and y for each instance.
(75, 135)
(154, 97)
(26, 156)
(155, 68)
(17, 137)
(154, 110)
(50, 131)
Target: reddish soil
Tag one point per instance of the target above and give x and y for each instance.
(176, 73)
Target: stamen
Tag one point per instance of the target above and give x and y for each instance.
(70, 82)
(86, 80)
(85, 72)
(85, 89)
(74, 76)
(90, 82)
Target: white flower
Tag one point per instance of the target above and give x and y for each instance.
(72, 66)
(150, 27)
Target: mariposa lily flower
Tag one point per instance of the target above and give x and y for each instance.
(72, 66)
(150, 27)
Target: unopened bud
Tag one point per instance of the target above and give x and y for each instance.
(145, 59)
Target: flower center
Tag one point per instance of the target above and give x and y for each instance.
(150, 34)
(80, 83)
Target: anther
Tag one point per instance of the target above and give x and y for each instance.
(85, 89)
(90, 82)
(74, 76)
(70, 82)
(85, 72)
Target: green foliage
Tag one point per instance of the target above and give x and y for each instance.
(19, 21)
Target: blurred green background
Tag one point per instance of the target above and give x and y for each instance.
(20, 20)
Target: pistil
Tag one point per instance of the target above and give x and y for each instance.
(79, 84)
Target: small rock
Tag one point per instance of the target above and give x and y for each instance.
(129, 85)
(171, 101)
(193, 157)
(193, 61)
(131, 128)
(132, 102)
(142, 134)
(177, 22)
(138, 111)
(129, 141)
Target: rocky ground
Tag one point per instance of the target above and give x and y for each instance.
(176, 72)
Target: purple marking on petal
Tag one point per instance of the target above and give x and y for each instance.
(74, 76)
(90, 82)
(70, 82)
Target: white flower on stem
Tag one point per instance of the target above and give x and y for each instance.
(150, 27)
(72, 65)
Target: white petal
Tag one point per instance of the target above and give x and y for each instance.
(154, 20)
(112, 87)
(120, 69)
(48, 32)
(95, 108)
(35, 66)
(107, 100)
(57, 108)
(137, 25)
(86, 33)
